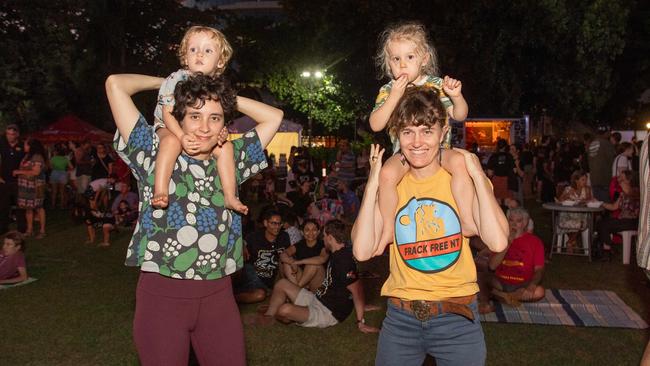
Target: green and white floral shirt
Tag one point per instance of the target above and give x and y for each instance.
(195, 238)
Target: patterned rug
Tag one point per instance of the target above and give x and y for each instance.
(571, 307)
(29, 280)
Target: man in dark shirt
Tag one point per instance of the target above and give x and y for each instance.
(334, 299)
(11, 154)
(262, 253)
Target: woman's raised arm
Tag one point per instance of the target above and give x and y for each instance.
(366, 230)
(119, 89)
(268, 118)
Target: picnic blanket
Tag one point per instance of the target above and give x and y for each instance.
(570, 307)
(29, 280)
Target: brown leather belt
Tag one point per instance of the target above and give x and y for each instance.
(424, 310)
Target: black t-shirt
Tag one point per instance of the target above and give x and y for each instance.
(100, 169)
(303, 251)
(501, 163)
(333, 293)
(264, 254)
(300, 202)
(11, 158)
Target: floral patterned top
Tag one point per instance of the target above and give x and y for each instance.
(195, 237)
(166, 94)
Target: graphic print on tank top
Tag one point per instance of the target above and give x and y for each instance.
(428, 235)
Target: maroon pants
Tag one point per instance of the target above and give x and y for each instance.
(170, 313)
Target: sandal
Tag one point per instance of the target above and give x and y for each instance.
(39, 236)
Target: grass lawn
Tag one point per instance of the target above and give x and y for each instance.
(80, 311)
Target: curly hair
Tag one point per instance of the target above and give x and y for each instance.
(409, 31)
(418, 106)
(223, 47)
(198, 89)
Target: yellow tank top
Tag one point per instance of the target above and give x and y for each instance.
(430, 258)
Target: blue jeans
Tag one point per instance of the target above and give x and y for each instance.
(249, 280)
(450, 338)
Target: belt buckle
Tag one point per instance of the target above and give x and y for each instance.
(421, 310)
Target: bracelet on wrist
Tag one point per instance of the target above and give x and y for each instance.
(362, 321)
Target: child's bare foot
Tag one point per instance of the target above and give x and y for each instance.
(233, 203)
(160, 200)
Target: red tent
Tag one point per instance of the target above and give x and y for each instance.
(71, 128)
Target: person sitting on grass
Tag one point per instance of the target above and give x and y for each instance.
(261, 253)
(518, 269)
(302, 263)
(510, 203)
(125, 205)
(12, 259)
(99, 217)
(333, 301)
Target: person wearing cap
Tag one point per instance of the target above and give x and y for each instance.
(431, 287)
(601, 156)
(334, 300)
(11, 154)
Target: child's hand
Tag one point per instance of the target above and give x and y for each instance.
(452, 87)
(189, 144)
(223, 136)
(399, 86)
(471, 162)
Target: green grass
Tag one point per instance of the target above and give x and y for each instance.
(80, 312)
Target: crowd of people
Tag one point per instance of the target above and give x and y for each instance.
(87, 180)
(297, 250)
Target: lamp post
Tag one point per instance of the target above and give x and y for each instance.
(311, 77)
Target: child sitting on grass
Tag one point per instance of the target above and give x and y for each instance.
(12, 259)
(99, 217)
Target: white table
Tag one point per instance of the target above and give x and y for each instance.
(556, 208)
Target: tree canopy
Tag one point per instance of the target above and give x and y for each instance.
(574, 60)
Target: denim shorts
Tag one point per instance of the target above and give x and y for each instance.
(59, 177)
(450, 338)
(248, 280)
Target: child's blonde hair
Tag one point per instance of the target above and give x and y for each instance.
(410, 31)
(224, 48)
